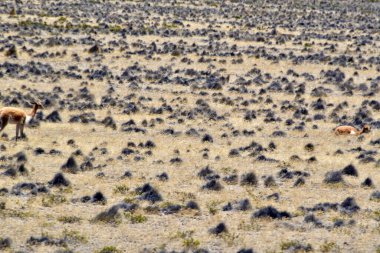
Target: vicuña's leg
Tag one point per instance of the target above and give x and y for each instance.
(17, 130)
(22, 130)
(4, 123)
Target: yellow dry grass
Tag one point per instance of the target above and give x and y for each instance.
(27, 216)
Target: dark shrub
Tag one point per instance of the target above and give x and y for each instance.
(220, 228)
(58, 181)
(350, 170)
(248, 179)
(270, 212)
(333, 177)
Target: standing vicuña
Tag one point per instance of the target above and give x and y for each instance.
(351, 130)
(17, 116)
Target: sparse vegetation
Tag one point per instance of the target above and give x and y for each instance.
(115, 28)
(190, 126)
(74, 236)
(213, 207)
(69, 219)
(16, 214)
(329, 247)
(121, 189)
(376, 215)
(52, 200)
(135, 218)
(296, 246)
(109, 249)
(190, 243)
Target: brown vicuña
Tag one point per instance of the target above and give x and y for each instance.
(344, 130)
(17, 116)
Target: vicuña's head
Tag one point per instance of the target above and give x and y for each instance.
(366, 128)
(38, 104)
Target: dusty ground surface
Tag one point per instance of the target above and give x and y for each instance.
(191, 126)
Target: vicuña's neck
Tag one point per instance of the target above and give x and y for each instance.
(34, 111)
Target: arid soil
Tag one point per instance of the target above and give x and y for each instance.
(190, 126)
